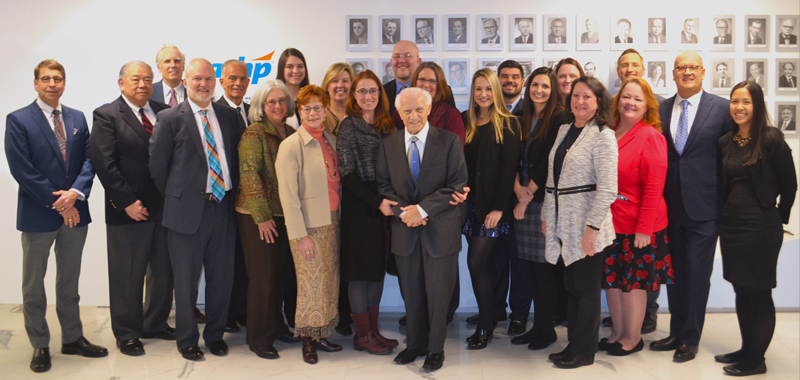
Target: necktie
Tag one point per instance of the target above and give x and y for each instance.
(414, 159)
(217, 180)
(722, 82)
(146, 122)
(558, 40)
(683, 127)
(791, 82)
(244, 115)
(173, 101)
(61, 137)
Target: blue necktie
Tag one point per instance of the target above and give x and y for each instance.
(414, 158)
(683, 127)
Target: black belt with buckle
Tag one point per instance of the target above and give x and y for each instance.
(571, 190)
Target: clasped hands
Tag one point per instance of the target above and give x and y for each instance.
(65, 205)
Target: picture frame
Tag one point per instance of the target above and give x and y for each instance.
(456, 35)
(391, 31)
(385, 71)
(622, 33)
(357, 34)
(490, 63)
(359, 64)
(757, 70)
(657, 36)
(488, 32)
(722, 74)
(588, 32)
(518, 26)
(785, 117)
(424, 28)
(782, 23)
(555, 36)
(756, 33)
(687, 32)
(722, 35)
(786, 76)
(459, 72)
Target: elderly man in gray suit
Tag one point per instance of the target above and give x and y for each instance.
(420, 167)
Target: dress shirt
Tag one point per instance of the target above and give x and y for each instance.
(214, 124)
(525, 39)
(422, 137)
(514, 103)
(148, 111)
(401, 86)
(48, 114)
(179, 91)
(494, 40)
(694, 102)
(239, 108)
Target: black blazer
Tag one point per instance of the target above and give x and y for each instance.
(773, 175)
(225, 103)
(539, 152)
(118, 147)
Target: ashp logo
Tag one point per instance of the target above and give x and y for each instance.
(257, 69)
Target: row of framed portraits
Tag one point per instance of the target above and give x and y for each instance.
(583, 32)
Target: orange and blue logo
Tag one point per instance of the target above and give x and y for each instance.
(258, 68)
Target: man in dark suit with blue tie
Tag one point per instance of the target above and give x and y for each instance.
(136, 239)
(170, 63)
(195, 165)
(48, 155)
(693, 121)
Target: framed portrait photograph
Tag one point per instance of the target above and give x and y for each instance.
(555, 35)
(786, 72)
(528, 65)
(755, 69)
(424, 32)
(656, 75)
(458, 74)
(786, 33)
(385, 71)
(430, 59)
(522, 32)
(722, 74)
(621, 34)
(391, 31)
(657, 33)
(688, 35)
(551, 62)
(722, 37)
(489, 32)
(593, 67)
(588, 27)
(757, 33)
(613, 78)
(357, 36)
(489, 63)
(785, 117)
(359, 64)
(456, 36)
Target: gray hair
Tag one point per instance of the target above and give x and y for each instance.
(236, 62)
(167, 46)
(413, 91)
(193, 63)
(124, 70)
(256, 113)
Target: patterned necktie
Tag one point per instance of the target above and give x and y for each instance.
(791, 82)
(61, 137)
(146, 122)
(217, 180)
(173, 100)
(414, 158)
(683, 127)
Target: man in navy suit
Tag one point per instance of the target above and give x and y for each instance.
(48, 154)
(170, 89)
(195, 165)
(137, 242)
(693, 122)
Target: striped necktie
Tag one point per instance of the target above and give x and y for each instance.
(61, 137)
(146, 122)
(217, 179)
(173, 100)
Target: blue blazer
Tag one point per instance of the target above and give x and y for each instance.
(694, 178)
(158, 92)
(37, 165)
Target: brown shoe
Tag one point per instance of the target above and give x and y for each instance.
(365, 339)
(373, 325)
(326, 346)
(309, 352)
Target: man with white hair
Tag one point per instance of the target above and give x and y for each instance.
(170, 63)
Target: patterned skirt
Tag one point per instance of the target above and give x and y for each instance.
(528, 234)
(475, 227)
(318, 282)
(628, 268)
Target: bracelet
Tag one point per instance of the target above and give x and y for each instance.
(593, 227)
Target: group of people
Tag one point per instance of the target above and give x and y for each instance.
(305, 198)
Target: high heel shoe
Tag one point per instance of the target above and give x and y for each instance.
(481, 339)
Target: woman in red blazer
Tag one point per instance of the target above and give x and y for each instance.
(639, 260)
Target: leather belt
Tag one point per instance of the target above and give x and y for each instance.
(571, 190)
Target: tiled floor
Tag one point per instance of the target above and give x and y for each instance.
(500, 360)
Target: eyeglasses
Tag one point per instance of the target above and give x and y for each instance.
(688, 69)
(316, 109)
(422, 81)
(363, 92)
(403, 56)
(55, 79)
(272, 103)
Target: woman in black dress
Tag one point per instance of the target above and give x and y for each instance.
(757, 168)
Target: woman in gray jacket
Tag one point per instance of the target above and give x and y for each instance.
(576, 216)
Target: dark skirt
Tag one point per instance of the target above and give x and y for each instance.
(528, 234)
(363, 254)
(628, 268)
(475, 227)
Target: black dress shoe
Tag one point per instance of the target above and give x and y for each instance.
(325, 345)
(559, 355)
(82, 347)
(166, 334)
(650, 323)
(41, 360)
(287, 337)
(516, 326)
(402, 321)
(730, 358)
(617, 350)
(433, 361)
(607, 322)
(410, 355)
(542, 341)
(231, 326)
(558, 320)
(733, 371)
(344, 329)
(525, 338)
(667, 344)
(573, 360)
(473, 319)
(684, 353)
(480, 339)
(191, 353)
(603, 344)
(198, 316)
(131, 347)
(218, 348)
(266, 352)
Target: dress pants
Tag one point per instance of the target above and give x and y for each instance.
(239, 296)
(131, 249)
(211, 245)
(35, 252)
(427, 285)
(517, 289)
(265, 279)
(692, 245)
(582, 281)
(543, 290)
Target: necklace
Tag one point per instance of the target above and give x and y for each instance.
(331, 171)
(741, 141)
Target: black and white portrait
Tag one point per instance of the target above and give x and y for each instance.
(457, 32)
(359, 64)
(555, 28)
(657, 31)
(385, 70)
(657, 75)
(489, 63)
(391, 31)
(357, 36)
(757, 36)
(425, 31)
(590, 69)
(522, 29)
(527, 67)
(588, 28)
(723, 29)
(489, 28)
(786, 72)
(785, 117)
(755, 70)
(722, 72)
(458, 74)
(786, 34)
(624, 32)
(690, 31)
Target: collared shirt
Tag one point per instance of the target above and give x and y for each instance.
(401, 85)
(239, 108)
(179, 91)
(422, 138)
(148, 111)
(220, 144)
(514, 103)
(694, 102)
(48, 114)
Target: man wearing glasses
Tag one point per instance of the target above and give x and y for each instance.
(490, 32)
(48, 155)
(457, 77)
(785, 37)
(557, 35)
(405, 60)
(693, 192)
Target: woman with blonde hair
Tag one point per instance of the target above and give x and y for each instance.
(337, 83)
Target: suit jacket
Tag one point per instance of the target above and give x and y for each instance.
(617, 40)
(789, 127)
(652, 39)
(421, 41)
(387, 41)
(457, 39)
(158, 92)
(783, 82)
(36, 163)
(486, 40)
(724, 40)
(519, 40)
(119, 150)
(759, 79)
(728, 83)
(224, 102)
(551, 38)
(442, 171)
(792, 39)
(756, 40)
(694, 178)
(587, 39)
(179, 166)
(691, 39)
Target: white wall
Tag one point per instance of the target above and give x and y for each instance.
(92, 39)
